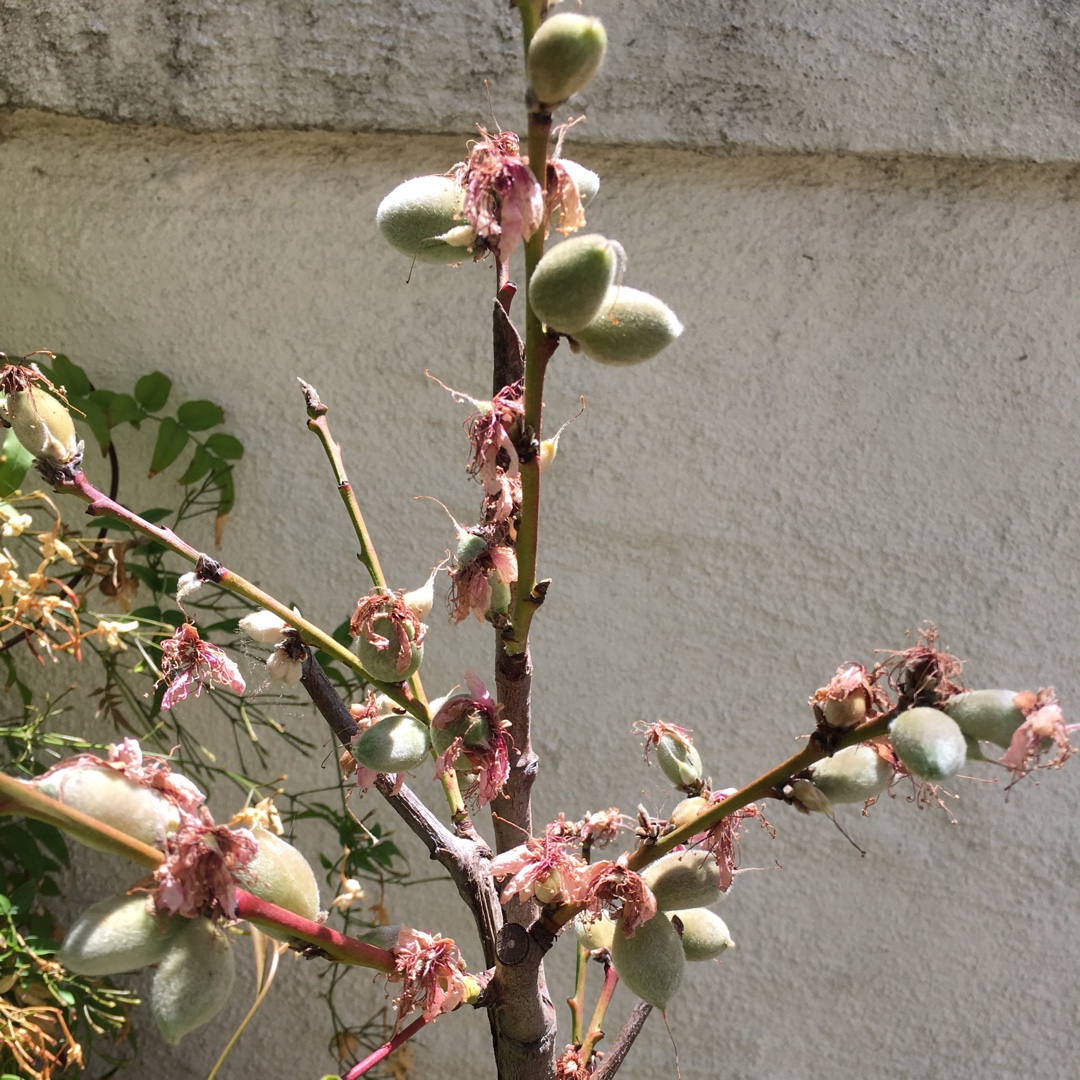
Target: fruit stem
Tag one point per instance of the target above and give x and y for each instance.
(577, 1002)
(386, 1049)
(596, 1033)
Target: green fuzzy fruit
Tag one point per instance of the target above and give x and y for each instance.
(396, 744)
(111, 798)
(194, 980)
(500, 595)
(687, 811)
(851, 775)
(929, 743)
(585, 180)
(594, 934)
(381, 664)
(651, 962)
(474, 730)
(117, 934)
(469, 548)
(417, 217)
(43, 425)
(632, 326)
(281, 875)
(382, 937)
(680, 761)
(989, 715)
(684, 879)
(564, 54)
(704, 934)
(572, 280)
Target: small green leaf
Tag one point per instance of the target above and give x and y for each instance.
(103, 398)
(171, 440)
(70, 376)
(15, 462)
(225, 446)
(201, 463)
(124, 409)
(49, 837)
(155, 514)
(200, 415)
(152, 391)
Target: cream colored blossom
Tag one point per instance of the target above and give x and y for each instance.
(110, 630)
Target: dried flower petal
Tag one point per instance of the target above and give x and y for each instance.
(188, 664)
(432, 974)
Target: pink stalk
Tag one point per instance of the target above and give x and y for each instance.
(386, 1049)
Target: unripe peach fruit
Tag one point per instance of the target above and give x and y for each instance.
(381, 664)
(651, 962)
(43, 425)
(396, 744)
(986, 714)
(594, 934)
(632, 326)
(571, 281)
(194, 980)
(117, 934)
(280, 874)
(929, 743)
(680, 761)
(684, 879)
(565, 53)
(704, 934)
(851, 775)
(418, 216)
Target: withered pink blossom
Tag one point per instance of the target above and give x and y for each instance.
(570, 1065)
(470, 587)
(201, 860)
(723, 838)
(503, 201)
(599, 829)
(155, 772)
(619, 891)
(490, 761)
(923, 669)
(1043, 722)
(490, 430)
(544, 869)
(188, 664)
(380, 606)
(850, 696)
(432, 974)
(365, 714)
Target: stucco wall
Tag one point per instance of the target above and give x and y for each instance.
(867, 423)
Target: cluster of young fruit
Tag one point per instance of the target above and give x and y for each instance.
(194, 960)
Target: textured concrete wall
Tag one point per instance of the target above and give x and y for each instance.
(989, 79)
(868, 422)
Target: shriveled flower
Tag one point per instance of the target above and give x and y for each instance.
(849, 698)
(619, 891)
(1043, 722)
(154, 771)
(380, 607)
(922, 670)
(111, 629)
(471, 581)
(723, 838)
(263, 815)
(503, 201)
(13, 523)
(545, 869)
(432, 974)
(198, 874)
(352, 892)
(563, 201)
(489, 758)
(571, 1066)
(53, 547)
(598, 830)
(188, 664)
(364, 714)
(652, 734)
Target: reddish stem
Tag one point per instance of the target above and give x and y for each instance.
(386, 1049)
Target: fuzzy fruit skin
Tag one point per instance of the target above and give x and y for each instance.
(989, 715)
(474, 731)
(687, 810)
(929, 743)
(851, 775)
(396, 744)
(565, 53)
(114, 800)
(571, 281)
(594, 934)
(585, 180)
(194, 980)
(415, 214)
(632, 327)
(684, 879)
(381, 664)
(43, 425)
(680, 762)
(705, 935)
(280, 874)
(651, 962)
(115, 935)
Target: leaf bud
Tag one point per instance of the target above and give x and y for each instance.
(651, 962)
(704, 934)
(851, 775)
(632, 327)
(565, 53)
(396, 744)
(194, 980)
(929, 743)
(422, 218)
(572, 279)
(684, 879)
(115, 935)
(43, 425)
(281, 875)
